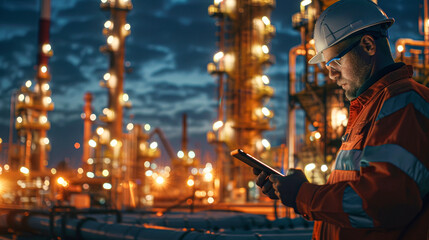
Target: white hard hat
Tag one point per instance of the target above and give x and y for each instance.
(344, 18)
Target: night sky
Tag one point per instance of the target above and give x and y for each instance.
(170, 44)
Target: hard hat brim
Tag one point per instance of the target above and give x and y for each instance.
(318, 58)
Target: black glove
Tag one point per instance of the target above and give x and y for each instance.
(264, 183)
(287, 188)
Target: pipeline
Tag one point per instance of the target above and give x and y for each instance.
(71, 226)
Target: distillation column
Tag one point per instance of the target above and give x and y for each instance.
(245, 32)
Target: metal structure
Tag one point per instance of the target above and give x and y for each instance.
(314, 135)
(244, 34)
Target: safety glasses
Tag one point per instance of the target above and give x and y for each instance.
(335, 62)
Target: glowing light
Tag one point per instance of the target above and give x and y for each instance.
(266, 143)
(105, 173)
(43, 69)
(107, 186)
(180, 154)
(208, 177)
(80, 170)
(149, 173)
(85, 186)
(194, 171)
(93, 117)
(19, 119)
(47, 100)
(153, 145)
(317, 135)
(160, 180)
(153, 165)
(113, 143)
(266, 111)
(217, 125)
(191, 154)
(90, 161)
(190, 182)
(106, 76)
(45, 87)
(265, 79)
(266, 20)
(310, 167)
(108, 24)
(6, 167)
(125, 97)
(46, 48)
(110, 39)
(217, 2)
(53, 171)
(324, 168)
(265, 49)
(210, 200)
(305, 2)
(24, 170)
(400, 48)
(21, 97)
(107, 160)
(251, 184)
(312, 41)
(45, 141)
(92, 143)
(90, 174)
(103, 1)
(28, 83)
(147, 127)
(127, 27)
(76, 145)
(100, 131)
(62, 181)
(218, 56)
(43, 119)
(147, 164)
(130, 126)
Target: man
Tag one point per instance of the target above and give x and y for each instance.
(379, 186)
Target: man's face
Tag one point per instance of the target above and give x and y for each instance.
(353, 71)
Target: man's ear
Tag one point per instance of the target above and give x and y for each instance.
(368, 44)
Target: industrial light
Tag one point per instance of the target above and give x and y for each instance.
(218, 56)
(19, 119)
(106, 160)
(21, 97)
(147, 164)
(24, 170)
(208, 177)
(317, 135)
(105, 173)
(147, 127)
(180, 154)
(217, 125)
(153, 145)
(43, 119)
(45, 141)
(108, 24)
(45, 87)
(217, 2)
(266, 143)
(130, 126)
(148, 173)
(92, 143)
(107, 186)
(100, 131)
(47, 100)
(46, 48)
(43, 69)
(191, 154)
(265, 49)
(160, 180)
(53, 171)
(310, 167)
(153, 165)
(113, 143)
(110, 39)
(190, 182)
(127, 27)
(266, 111)
(266, 20)
(305, 2)
(80, 170)
(28, 83)
(90, 174)
(125, 97)
(265, 79)
(210, 200)
(324, 168)
(92, 117)
(90, 161)
(400, 48)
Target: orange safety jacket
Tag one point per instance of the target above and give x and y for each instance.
(379, 186)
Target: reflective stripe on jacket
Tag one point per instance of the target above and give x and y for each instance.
(379, 187)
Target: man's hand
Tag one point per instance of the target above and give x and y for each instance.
(287, 188)
(264, 183)
(279, 187)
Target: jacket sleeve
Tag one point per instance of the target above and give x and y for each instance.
(394, 175)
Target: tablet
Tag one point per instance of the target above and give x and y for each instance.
(253, 162)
